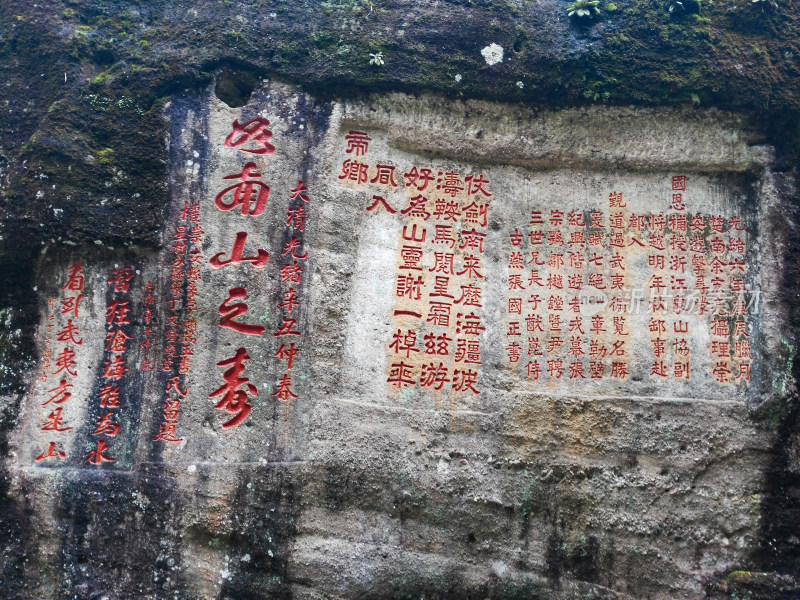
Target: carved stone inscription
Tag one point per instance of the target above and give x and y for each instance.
(469, 279)
(613, 281)
(584, 286)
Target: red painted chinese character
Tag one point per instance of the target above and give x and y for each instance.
(735, 224)
(229, 312)
(407, 286)
(659, 368)
(677, 202)
(71, 304)
(117, 313)
(475, 185)
(189, 212)
(172, 407)
(615, 200)
(577, 238)
(470, 325)
(465, 380)
(434, 376)
(284, 392)
(404, 342)
(68, 334)
(439, 314)
(596, 369)
(472, 240)
(437, 344)
(419, 178)
(168, 432)
(451, 184)
(411, 256)
(470, 296)
(414, 236)
(400, 375)
(291, 273)
(75, 278)
(59, 392)
(619, 370)
(173, 385)
(289, 300)
(121, 280)
(358, 142)
(234, 400)
(54, 422)
(679, 183)
(471, 266)
(109, 396)
(443, 263)
(536, 238)
(513, 350)
(196, 235)
(744, 372)
(250, 190)
(258, 261)
(300, 192)
(468, 351)
(296, 218)
(354, 171)
(681, 370)
(576, 370)
(287, 328)
(384, 175)
(105, 426)
(476, 213)
(380, 201)
(293, 245)
(114, 369)
(722, 372)
(444, 210)
(51, 452)
(254, 131)
(287, 354)
(417, 207)
(65, 361)
(116, 341)
(97, 456)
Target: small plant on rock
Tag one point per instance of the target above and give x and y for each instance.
(583, 8)
(376, 58)
(765, 4)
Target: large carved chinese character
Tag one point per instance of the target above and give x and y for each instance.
(250, 190)
(255, 132)
(234, 400)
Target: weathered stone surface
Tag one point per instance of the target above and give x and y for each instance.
(634, 487)
(627, 487)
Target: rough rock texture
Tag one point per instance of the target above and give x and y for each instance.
(628, 492)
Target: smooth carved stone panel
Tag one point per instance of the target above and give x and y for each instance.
(601, 283)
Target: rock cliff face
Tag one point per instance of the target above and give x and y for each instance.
(323, 300)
